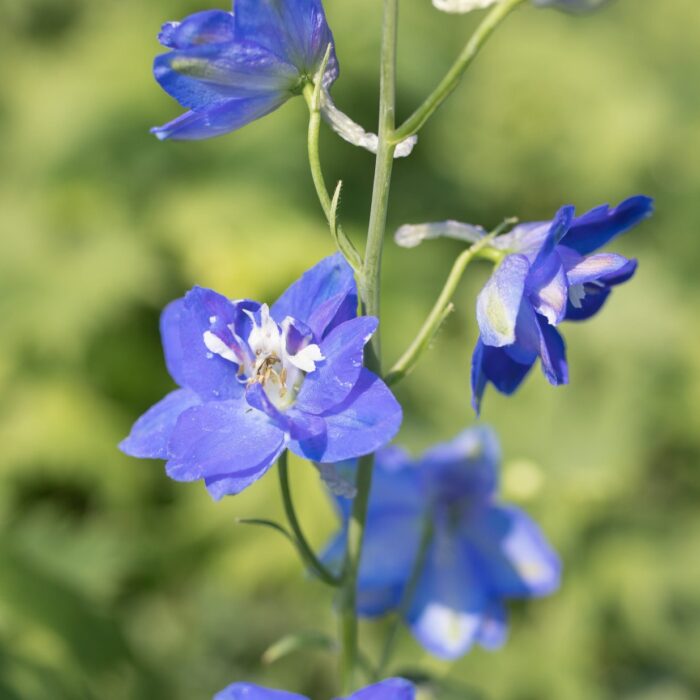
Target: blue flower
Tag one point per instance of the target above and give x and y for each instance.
(480, 552)
(256, 380)
(392, 689)
(548, 275)
(230, 68)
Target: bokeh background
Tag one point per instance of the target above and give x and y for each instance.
(118, 583)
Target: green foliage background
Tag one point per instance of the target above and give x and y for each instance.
(117, 583)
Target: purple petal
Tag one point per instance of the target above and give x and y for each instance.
(190, 363)
(553, 354)
(526, 239)
(514, 553)
(499, 301)
(590, 305)
(466, 467)
(450, 599)
(206, 76)
(599, 226)
(391, 689)
(222, 438)
(207, 27)
(335, 377)
(221, 119)
(368, 419)
(558, 229)
(151, 433)
(248, 691)
(324, 296)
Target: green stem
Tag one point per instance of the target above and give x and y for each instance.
(453, 76)
(440, 310)
(310, 95)
(305, 550)
(406, 600)
(369, 291)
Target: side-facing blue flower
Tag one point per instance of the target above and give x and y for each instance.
(548, 275)
(480, 552)
(230, 68)
(256, 380)
(392, 689)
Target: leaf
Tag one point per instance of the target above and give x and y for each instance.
(300, 641)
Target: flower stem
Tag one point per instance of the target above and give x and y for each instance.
(453, 76)
(370, 294)
(305, 550)
(440, 311)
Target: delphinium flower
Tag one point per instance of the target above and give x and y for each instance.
(231, 68)
(392, 689)
(460, 6)
(548, 275)
(479, 552)
(256, 380)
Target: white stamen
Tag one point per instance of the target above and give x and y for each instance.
(577, 294)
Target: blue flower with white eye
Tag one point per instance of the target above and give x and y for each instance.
(480, 552)
(256, 380)
(392, 689)
(548, 275)
(461, 6)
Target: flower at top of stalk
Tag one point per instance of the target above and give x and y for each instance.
(479, 552)
(547, 275)
(460, 6)
(256, 380)
(231, 68)
(391, 689)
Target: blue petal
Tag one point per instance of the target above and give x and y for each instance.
(590, 305)
(466, 467)
(527, 239)
(190, 363)
(596, 228)
(450, 599)
(558, 229)
(324, 296)
(151, 433)
(548, 289)
(220, 119)
(335, 377)
(294, 422)
(248, 691)
(206, 76)
(499, 301)
(496, 366)
(552, 354)
(391, 689)
(602, 266)
(493, 631)
(222, 438)
(295, 30)
(207, 27)
(368, 419)
(515, 556)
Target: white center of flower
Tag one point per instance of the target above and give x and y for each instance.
(269, 363)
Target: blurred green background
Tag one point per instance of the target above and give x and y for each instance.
(118, 583)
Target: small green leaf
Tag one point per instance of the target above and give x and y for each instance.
(301, 641)
(345, 245)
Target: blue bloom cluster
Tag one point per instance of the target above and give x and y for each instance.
(548, 275)
(391, 689)
(478, 554)
(256, 380)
